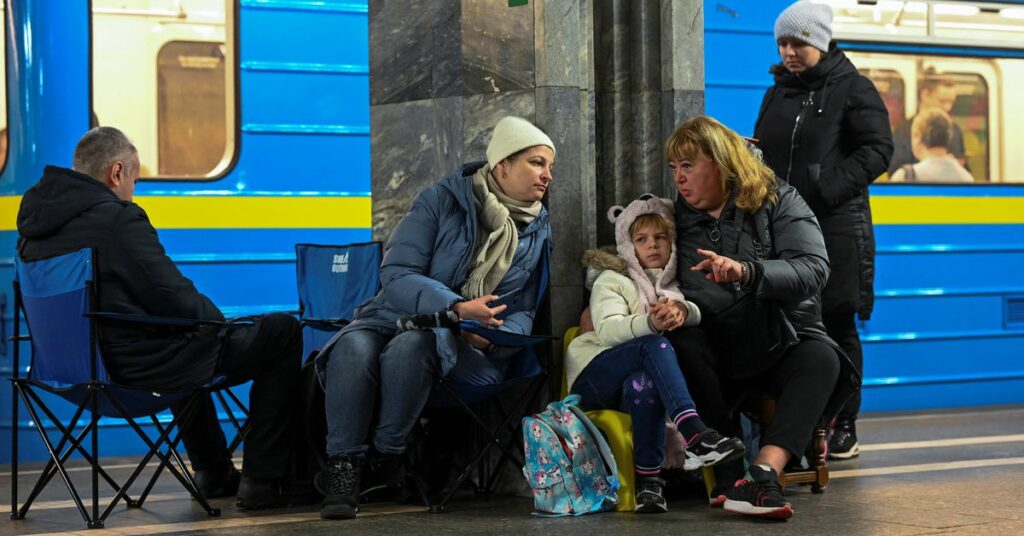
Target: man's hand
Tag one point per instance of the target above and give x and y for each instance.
(479, 310)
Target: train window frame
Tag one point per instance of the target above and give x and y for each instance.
(6, 156)
(953, 64)
(232, 92)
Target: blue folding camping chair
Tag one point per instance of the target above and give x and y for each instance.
(332, 281)
(526, 369)
(57, 296)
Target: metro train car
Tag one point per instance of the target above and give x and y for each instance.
(252, 122)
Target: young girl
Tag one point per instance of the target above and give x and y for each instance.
(625, 363)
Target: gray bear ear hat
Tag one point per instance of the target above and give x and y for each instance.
(623, 218)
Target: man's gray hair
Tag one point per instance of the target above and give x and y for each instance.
(99, 149)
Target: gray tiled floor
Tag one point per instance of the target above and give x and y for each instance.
(958, 489)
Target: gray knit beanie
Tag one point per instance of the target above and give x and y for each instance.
(511, 135)
(807, 22)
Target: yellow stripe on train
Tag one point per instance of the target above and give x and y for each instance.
(934, 210)
(215, 212)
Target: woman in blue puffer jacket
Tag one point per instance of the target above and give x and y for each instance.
(479, 233)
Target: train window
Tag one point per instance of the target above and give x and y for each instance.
(893, 91)
(944, 113)
(172, 90)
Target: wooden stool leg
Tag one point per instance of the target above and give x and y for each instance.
(817, 462)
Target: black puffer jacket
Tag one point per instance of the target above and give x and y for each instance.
(826, 132)
(794, 268)
(66, 211)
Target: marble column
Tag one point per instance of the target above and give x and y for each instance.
(441, 75)
(649, 72)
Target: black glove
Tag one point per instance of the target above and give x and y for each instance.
(440, 319)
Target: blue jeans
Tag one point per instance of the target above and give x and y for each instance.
(639, 377)
(369, 373)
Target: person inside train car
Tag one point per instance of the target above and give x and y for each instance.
(935, 93)
(824, 129)
(757, 261)
(476, 234)
(90, 206)
(932, 131)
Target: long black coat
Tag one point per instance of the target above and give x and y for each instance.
(66, 211)
(826, 132)
(792, 269)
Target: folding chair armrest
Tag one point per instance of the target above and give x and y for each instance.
(164, 321)
(324, 324)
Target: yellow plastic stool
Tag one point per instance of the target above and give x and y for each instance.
(618, 430)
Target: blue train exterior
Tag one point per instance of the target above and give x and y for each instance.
(949, 321)
(301, 171)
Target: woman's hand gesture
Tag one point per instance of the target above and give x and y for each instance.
(720, 269)
(478, 310)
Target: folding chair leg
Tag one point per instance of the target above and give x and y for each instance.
(76, 443)
(96, 522)
(154, 450)
(57, 460)
(493, 439)
(240, 428)
(15, 514)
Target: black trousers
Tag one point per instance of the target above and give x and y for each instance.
(801, 384)
(270, 354)
(843, 329)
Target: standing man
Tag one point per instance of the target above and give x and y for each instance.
(90, 206)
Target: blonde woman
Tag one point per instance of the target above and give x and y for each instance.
(752, 257)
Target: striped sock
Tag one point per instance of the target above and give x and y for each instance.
(689, 425)
(644, 471)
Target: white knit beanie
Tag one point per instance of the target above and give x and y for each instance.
(511, 135)
(807, 22)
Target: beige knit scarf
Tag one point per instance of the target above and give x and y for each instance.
(496, 233)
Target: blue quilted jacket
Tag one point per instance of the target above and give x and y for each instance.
(428, 257)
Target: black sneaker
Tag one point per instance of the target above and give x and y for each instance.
(650, 498)
(712, 448)
(382, 471)
(843, 444)
(762, 496)
(339, 483)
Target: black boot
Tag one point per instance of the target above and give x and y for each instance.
(339, 484)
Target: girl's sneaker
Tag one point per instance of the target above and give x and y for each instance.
(649, 496)
(761, 496)
(712, 448)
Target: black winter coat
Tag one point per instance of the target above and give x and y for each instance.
(792, 269)
(826, 132)
(66, 211)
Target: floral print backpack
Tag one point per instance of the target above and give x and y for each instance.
(568, 462)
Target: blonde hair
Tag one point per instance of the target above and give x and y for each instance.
(652, 221)
(739, 169)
